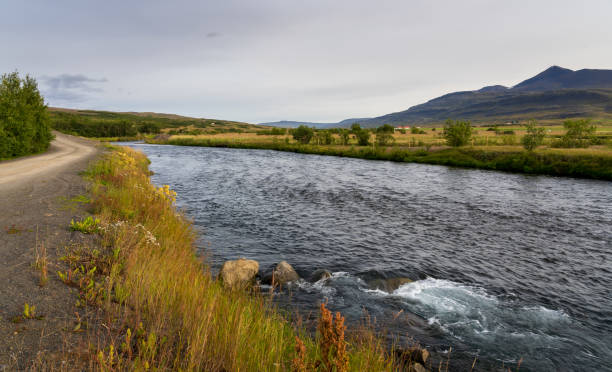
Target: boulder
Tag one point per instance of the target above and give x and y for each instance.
(412, 355)
(320, 274)
(238, 273)
(388, 285)
(282, 273)
(417, 367)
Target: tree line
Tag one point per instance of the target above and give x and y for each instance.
(24, 121)
(580, 133)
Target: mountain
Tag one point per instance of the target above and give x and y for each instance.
(295, 124)
(556, 93)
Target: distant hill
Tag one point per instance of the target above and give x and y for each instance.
(164, 120)
(295, 124)
(556, 93)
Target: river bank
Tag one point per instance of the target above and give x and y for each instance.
(581, 163)
(168, 311)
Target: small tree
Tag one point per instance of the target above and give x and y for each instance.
(303, 134)
(534, 136)
(328, 139)
(363, 137)
(579, 133)
(457, 133)
(344, 136)
(385, 129)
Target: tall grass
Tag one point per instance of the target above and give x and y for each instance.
(169, 312)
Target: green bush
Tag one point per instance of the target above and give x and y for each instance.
(303, 134)
(385, 129)
(457, 133)
(580, 133)
(24, 122)
(363, 137)
(384, 139)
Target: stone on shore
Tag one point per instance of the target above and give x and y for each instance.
(320, 274)
(281, 274)
(414, 356)
(239, 273)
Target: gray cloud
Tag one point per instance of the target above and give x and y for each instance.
(66, 88)
(315, 60)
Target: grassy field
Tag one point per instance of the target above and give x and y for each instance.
(490, 149)
(166, 311)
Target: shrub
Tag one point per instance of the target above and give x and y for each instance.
(303, 134)
(384, 139)
(509, 140)
(417, 130)
(534, 136)
(363, 137)
(457, 133)
(579, 133)
(344, 136)
(24, 122)
(385, 129)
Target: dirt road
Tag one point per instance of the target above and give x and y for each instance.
(39, 195)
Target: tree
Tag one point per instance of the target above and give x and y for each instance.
(344, 136)
(326, 137)
(363, 137)
(303, 134)
(534, 136)
(385, 129)
(24, 122)
(457, 133)
(149, 127)
(579, 133)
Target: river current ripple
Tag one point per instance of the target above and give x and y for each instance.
(504, 266)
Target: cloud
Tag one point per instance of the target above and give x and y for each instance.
(67, 87)
(213, 34)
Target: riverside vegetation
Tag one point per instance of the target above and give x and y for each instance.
(577, 149)
(167, 312)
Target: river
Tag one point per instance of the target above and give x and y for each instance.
(504, 266)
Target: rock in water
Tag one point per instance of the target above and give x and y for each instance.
(320, 274)
(388, 285)
(238, 273)
(282, 273)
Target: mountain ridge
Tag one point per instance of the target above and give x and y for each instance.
(553, 94)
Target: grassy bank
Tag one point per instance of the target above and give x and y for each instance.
(166, 311)
(585, 163)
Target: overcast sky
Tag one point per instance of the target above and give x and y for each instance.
(265, 60)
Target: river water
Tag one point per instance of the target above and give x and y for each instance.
(504, 266)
